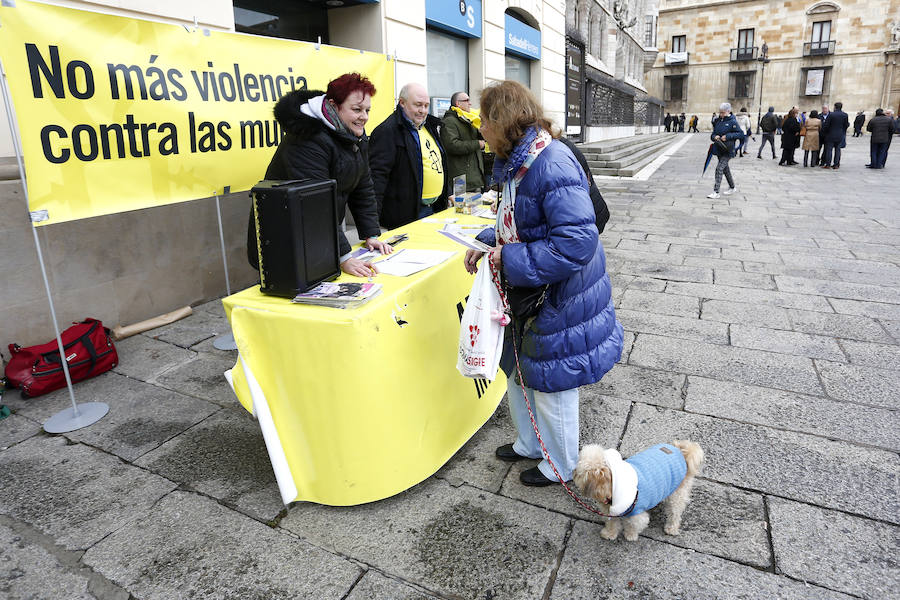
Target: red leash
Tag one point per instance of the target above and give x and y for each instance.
(496, 279)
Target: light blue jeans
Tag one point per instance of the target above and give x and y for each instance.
(557, 419)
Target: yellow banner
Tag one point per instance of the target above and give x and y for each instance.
(118, 114)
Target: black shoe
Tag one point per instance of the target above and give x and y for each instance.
(507, 453)
(535, 478)
(758, 156)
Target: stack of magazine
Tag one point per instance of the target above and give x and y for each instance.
(339, 295)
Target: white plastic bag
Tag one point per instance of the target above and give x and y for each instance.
(481, 329)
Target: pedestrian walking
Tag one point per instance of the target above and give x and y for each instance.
(768, 124)
(668, 122)
(743, 119)
(692, 126)
(890, 112)
(811, 140)
(834, 134)
(881, 126)
(726, 132)
(790, 138)
(681, 122)
(858, 123)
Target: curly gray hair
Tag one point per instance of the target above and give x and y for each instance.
(725, 106)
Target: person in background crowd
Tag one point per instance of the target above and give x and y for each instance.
(725, 132)
(881, 126)
(743, 120)
(546, 237)
(681, 122)
(834, 134)
(858, 123)
(325, 138)
(890, 113)
(668, 122)
(692, 127)
(713, 120)
(408, 161)
(768, 124)
(778, 119)
(463, 143)
(803, 118)
(790, 138)
(811, 140)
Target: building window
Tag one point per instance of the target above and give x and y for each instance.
(740, 84)
(650, 31)
(518, 69)
(679, 43)
(675, 88)
(448, 65)
(295, 21)
(821, 35)
(745, 38)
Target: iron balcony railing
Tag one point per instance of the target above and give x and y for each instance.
(748, 53)
(818, 48)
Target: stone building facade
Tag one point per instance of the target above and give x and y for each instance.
(760, 53)
(607, 52)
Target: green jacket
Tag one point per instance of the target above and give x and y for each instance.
(464, 155)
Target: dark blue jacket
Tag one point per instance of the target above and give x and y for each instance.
(575, 339)
(727, 126)
(834, 129)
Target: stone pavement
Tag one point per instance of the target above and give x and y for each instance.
(764, 325)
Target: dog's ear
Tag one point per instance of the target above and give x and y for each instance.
(595, 482)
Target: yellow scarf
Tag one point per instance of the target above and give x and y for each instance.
(471, 117)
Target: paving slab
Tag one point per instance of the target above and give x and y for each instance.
(647, 284)
(876, 310)
(727, 311)
(798, 466)
(224, 457)
(454, 541)
(837, 325)
(863, 385)
(689, 250)
(670, 326)
(885, 356)
(141, 416)
(191, 330)
(141, 357)
(794, 412)
(839, 289)
(737, 294)
(810, 542)
(660, 303)
(595, 568)
(203, 377)
(893, 328)
(786, 342)
(377, 585)
(627, 344)
(641, 385)
(724, 362)
(757, 281)
(14, 429)
(213, 307)
(662, 271)
(203, 550)
(75, 493)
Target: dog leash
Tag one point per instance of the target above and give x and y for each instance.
(495, 277)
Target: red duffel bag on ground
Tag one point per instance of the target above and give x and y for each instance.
(38, 370)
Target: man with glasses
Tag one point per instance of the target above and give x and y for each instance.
(463, 143)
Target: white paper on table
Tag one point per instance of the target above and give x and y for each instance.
(484, 212)
(434, 220)
(468, 242)
(411, 260)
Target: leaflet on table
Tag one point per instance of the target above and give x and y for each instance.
(339, 295)
(411, 260)
(484, 212)
(468, 242)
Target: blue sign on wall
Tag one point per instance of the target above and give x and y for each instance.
(462, 17)
(522, 39)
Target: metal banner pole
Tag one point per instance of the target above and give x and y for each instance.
(224, 342)
(87, 413)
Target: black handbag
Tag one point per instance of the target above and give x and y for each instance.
(525, 302)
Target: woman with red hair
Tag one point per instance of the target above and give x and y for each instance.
(325, 138)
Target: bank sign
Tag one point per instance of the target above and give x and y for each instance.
(522, 39)
(462, 17)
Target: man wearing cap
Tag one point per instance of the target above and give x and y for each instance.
(407, 161)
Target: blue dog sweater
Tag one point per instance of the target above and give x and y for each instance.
(660, 470)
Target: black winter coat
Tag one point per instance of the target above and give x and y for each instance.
(858, 122)
(311, 150)
(790, 136)
(601, 211)
(396, 164)
(881, 128)
(834, 129)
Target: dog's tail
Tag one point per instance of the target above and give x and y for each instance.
(693, 455)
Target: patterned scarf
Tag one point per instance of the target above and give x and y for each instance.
(329, 111)
(513, 171)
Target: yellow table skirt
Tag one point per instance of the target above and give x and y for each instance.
(357, 405)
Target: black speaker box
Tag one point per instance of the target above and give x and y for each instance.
(296, 234)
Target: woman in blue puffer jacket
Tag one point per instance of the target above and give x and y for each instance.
(725, 132)
(546, 235)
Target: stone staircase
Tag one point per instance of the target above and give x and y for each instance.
(623, 157)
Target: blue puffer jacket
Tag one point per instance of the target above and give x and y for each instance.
(728, 127)
(575, 339)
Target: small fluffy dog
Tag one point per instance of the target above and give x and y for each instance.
(627, 489)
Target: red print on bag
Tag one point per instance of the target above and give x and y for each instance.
(473, 334)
